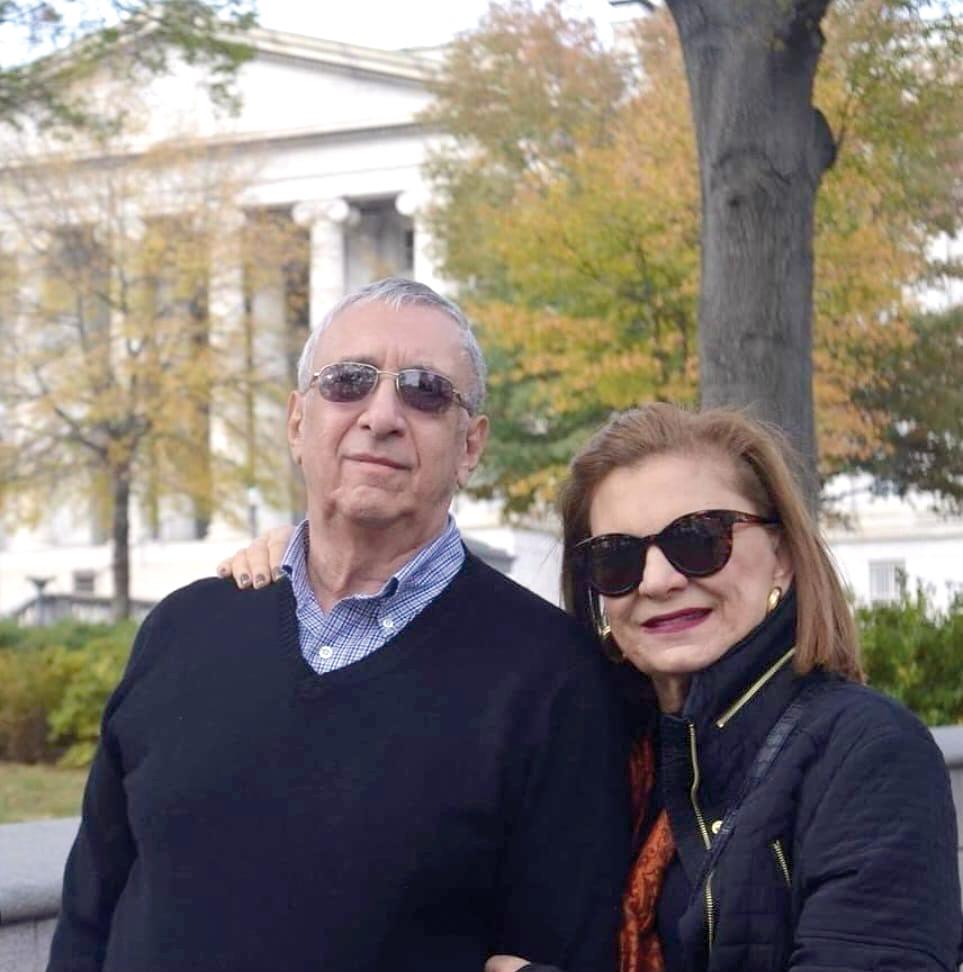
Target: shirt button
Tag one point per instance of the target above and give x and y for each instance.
(326, 651)
(388, 624)
(716, 826)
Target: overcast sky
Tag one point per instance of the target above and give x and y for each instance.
(399, 23)
(390, 24)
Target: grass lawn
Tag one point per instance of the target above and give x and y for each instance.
(39, 792)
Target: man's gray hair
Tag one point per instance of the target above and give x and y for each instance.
(398, 292)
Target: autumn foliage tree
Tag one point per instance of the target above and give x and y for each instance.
(574, 227)
(129, 378)
(919, 390)
(891, 86)
(579, 253)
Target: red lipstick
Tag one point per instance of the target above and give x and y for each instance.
(676, 620)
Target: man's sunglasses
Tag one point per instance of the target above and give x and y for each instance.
(419, 388)
(697, 545)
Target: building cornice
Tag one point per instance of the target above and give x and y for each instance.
(838, 536)
(227, 141)
(415, 65)
(397, 65)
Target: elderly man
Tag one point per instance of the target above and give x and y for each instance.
(395, 758)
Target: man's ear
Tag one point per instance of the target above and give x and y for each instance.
(476, 437)
(294, 423)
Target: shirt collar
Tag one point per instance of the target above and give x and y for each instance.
(412, 575)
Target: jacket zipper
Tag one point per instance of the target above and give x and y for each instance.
(710, 910)
(781, 861)
(703, 829)
(753, 689)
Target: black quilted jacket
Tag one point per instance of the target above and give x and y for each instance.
(845, 855)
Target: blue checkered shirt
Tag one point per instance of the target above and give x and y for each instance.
(362, 623)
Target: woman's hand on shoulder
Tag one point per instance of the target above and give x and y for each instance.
(505, 963)
(260, 562)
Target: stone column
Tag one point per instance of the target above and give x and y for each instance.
(411, 203)
(227, 334)
(326, 219)
(226, 309)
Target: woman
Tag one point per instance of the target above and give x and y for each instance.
(787, 817)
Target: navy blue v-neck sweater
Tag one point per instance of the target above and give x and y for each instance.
(456, 793)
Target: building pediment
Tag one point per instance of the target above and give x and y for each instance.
(392, 67)
(293, 87)
(298, 84)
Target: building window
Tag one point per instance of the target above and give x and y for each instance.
(409, 267)
(85, 582)
(885, 580)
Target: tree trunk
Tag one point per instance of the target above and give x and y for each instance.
(121, 543)
(763, 148)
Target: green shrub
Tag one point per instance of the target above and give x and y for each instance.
(28, 692)
(89, 675)
(64, 634)
(915, 653)
(11, 634)
(54, 683)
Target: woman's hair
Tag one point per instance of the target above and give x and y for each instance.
(825, 631)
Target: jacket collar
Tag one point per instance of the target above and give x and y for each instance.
(709, 747)
(720, 692)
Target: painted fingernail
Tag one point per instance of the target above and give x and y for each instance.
(277, 574)
(223, 571)
(259, 580)
(244, 580)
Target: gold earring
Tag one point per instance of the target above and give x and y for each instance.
(609, 645)
(775, 596)
(603, 631)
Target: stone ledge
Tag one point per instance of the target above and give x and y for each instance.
(25, 946)
(950, 740)
(32, 857)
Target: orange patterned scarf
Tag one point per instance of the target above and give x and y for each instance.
(639, 946)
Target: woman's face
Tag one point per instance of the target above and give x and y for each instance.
(672, 626)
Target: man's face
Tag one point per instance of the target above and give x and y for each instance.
(379, 463)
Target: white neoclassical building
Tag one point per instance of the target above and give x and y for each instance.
(330, 139)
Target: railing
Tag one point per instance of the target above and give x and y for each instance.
(32, 857)
(48, 608)
(92, 608)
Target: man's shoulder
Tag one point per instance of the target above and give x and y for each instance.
(215, 603)
(505, 613)
(208, 619)
(206, 590)
(490, 586)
